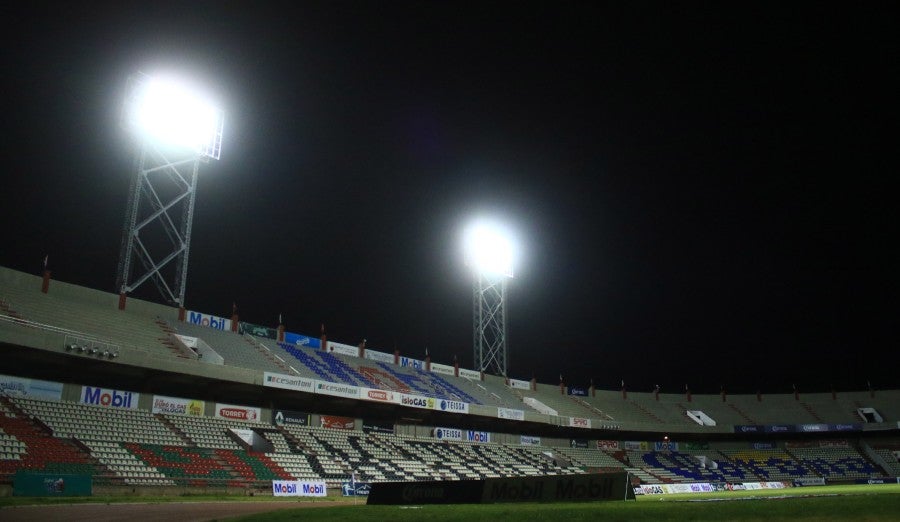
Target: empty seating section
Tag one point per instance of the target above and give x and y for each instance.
(129, 468)
(326, 370)
(186, 466)
(771, 464)
(234, 348)
(836, 463)
(27, 446)
(425, 383)
(102, 322)
(86, 422)
(592, 458)
(207, 432)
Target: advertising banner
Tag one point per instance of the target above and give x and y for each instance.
(633, 445)
(451, 406)
(407, 362)
(257, 331)
(845, 427)
(763, 445)
(519, 385)
(298, 488)
(696, 445)
(417, 401)
(778, 428)
(288, 382)
(511, 414)
(448, 434)
(337, 390)
(302, 340)
(371, 394)
(530, 440)
(211, 321)
(109, 397)
(372, 355)
(178, 406)
(343, 349)
(337, 423)
(443, 369)
(297, 418)
(373, 426)
(470, 374)
(747, 428)
(478, 436)
(578, 422)
(812, 428)
(607, 444)
(238, 413)
(578, 443)
(665, 446)
(34, 388)
(37, 484)
(578, 391)
(355, 489)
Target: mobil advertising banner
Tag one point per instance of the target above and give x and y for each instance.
(238, 413)
(211, 321)
(178, 406)
(302, 340)
(343, 349)
(448, 434)
(335, 422)
(297, 418)
(530, 440)
(578, 422)
(371, 394)
(298, 488)
(337, 390)
(257, 331)
(478, 436)
(288, 382)
(665, 446)
(443, 369)
(470, 374)
(372, 355)
(519, 385)
(109, 397)
(511, 414)
(607, 444)
(34, 388)
(408, 362)
(451, 406)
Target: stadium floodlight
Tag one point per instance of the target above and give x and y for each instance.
(490, 252)
(176, 128)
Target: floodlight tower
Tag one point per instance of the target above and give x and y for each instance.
(489, 251)
(175, 129)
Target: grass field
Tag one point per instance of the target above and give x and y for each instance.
(858, 503)
(862, 503)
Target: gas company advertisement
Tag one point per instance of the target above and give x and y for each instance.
(298, 488)
(511, 414)
(336, 423)
(478, 436)
(448, 434)
(239, 413)
(412, 363)
(178, 406)
(109, 397)
(371, 394)
(211, 321)
(578, 422)
(343, 349)
(417, 401)
(302, 340)
(443, 369)
(288, 382)
(337, 390)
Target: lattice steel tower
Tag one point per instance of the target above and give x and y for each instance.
(176, 131)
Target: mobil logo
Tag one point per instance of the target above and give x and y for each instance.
(478, 436)
(211, 321)
(284, 488)
(313, 489)
(110, 398)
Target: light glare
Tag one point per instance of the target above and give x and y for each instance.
(489, 249)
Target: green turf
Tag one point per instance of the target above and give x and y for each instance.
(858, 503)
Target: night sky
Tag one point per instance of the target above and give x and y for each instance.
(703, 193)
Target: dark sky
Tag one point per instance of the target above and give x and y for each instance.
(703, 192)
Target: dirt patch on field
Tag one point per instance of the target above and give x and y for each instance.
(171, 511)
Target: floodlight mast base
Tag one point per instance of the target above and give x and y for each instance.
(489, 322)
(155, 233)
